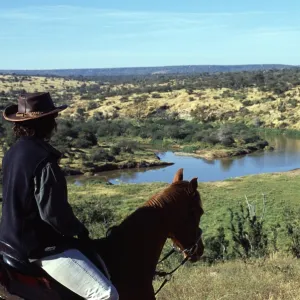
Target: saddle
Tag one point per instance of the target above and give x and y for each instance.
(19, 276)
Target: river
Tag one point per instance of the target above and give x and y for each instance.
(286, 156)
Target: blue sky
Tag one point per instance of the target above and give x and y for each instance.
(119, 33)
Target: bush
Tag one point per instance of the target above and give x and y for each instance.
(198, 136)
(115, 150)
(96, 215)
(216, 247)
(127, 146)
(247, 102)
(293, 102)
(101, 155)
(124, 99)
(250, 139)
(190, 149)
(227, 141)
(211, 139)
(224, 135)
(85, 140)
(248, 232)
(156, 95)
(92, 105)
(293, 232)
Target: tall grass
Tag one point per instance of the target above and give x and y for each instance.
(275, 278)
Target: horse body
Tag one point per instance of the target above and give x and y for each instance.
(132, 250)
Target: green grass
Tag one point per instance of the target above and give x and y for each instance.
(281, 192)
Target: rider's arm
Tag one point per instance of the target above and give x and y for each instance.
(52, 200)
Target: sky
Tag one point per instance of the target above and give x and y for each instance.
(42, 34)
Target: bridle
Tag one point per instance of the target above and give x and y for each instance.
(191, 251)
(188, 254)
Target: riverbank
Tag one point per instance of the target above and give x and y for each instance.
(98, 159)
(145, 155)
(211, 154)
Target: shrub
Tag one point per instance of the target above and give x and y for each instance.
(156, 95)
(227, 141)
(251, 138)
(101, 155)
(247, 102)
(293, 102)
(293, 231)
(211, 139)
(96, 215)
(92, 105)
(124, 99)
(216, 247)
(248, 232)
(85, 140)
(189, 149)
(128, 146)
(224, 135)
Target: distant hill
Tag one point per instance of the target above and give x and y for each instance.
(192, 69)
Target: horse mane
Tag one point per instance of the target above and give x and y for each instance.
(171, 195)
(175, 193)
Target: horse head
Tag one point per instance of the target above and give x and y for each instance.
(185, 232)
(182, 207)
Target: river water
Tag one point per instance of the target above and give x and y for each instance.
(286, 156)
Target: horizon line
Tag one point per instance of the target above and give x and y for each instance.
(163, 66)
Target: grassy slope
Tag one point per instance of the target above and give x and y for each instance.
(36, 83)
(179, 102)
(282, 191)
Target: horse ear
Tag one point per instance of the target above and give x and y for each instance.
(194, 184)
(178, 176)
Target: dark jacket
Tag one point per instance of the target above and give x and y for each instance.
(35, 210)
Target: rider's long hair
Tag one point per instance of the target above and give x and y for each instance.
(41, 128)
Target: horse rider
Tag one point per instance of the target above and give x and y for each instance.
(37, 219)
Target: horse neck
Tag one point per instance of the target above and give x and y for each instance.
(139, 241)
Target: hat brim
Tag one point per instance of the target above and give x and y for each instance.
(10, 113)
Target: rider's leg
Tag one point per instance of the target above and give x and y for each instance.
(76, 272)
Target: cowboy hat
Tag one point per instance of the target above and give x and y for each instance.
(31, 106)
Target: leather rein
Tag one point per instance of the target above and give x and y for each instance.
(188, 252)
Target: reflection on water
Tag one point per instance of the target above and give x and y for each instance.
(286, 156)
(226, 164)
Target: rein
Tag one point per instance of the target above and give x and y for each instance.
(168, 275)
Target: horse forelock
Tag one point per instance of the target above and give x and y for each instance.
(174, 193)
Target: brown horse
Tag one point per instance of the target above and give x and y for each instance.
(132, 249)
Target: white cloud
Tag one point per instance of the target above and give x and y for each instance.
(65, 13)
(122, 24)
(269, 31)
